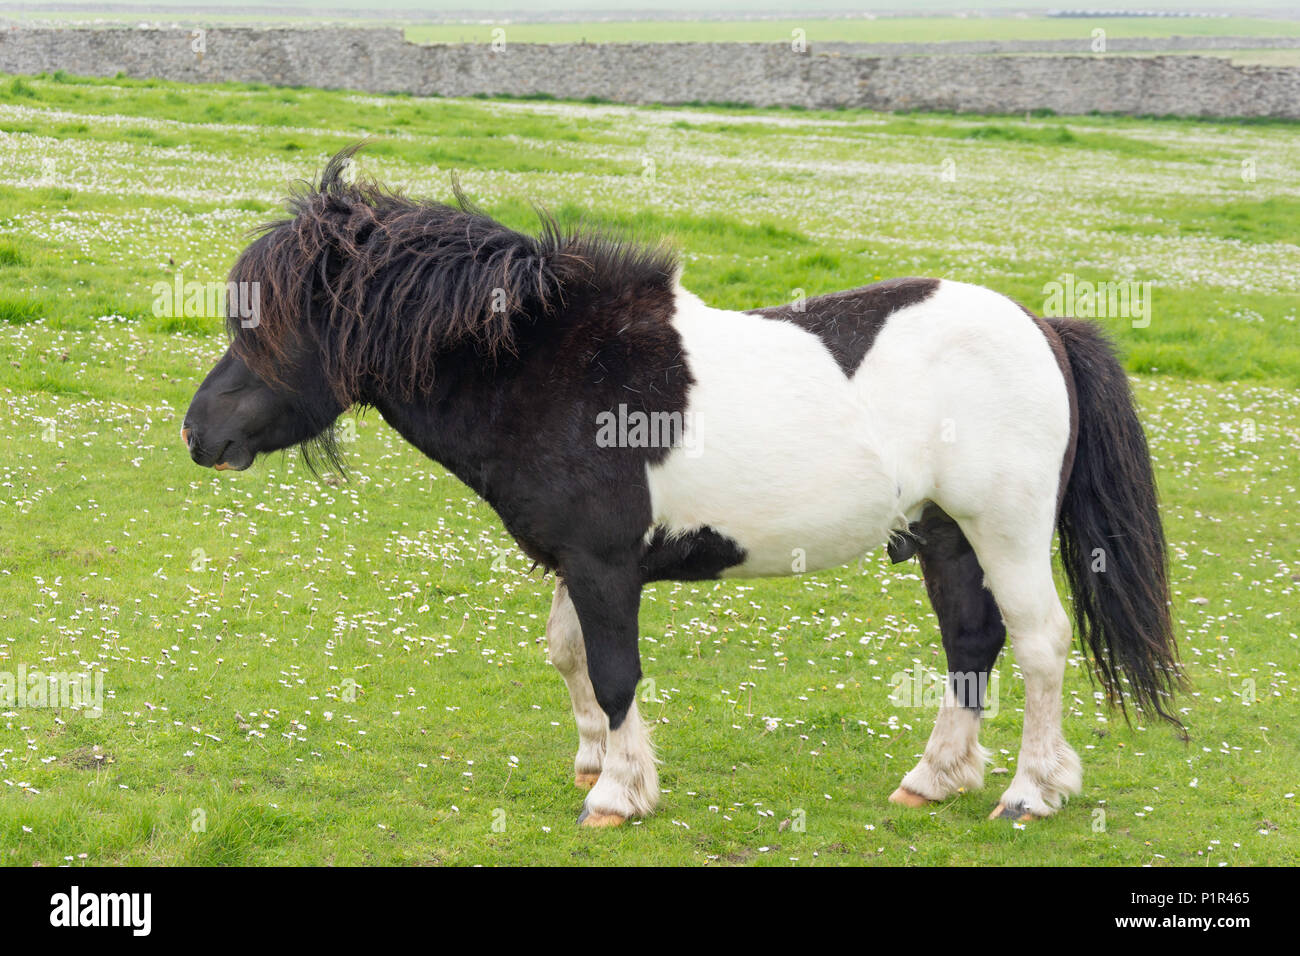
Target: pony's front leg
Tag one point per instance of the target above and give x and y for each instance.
(606, 598)
(564, 641)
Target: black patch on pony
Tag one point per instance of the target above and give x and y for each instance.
(903, 545)
(695, 555)
(495, 353)
(969, 620)
(848, 322)
(384, 286)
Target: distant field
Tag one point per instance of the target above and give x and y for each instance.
(1261, 57)
(308, 671)
(883, 30)
(1241, 57)
(818, 30)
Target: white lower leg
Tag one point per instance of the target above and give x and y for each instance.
(569, 655)
(1048, 770)
(954, 759)
(629, 783)
(592, 729)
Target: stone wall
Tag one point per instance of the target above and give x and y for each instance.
(758, 74)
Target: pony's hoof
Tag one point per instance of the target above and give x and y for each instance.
(585, 781)
(906, 798)
(1015, 812)
(589, 819)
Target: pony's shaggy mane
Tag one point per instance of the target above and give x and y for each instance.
(383, 284)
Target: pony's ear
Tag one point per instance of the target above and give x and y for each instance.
(564, 249)
(463, 202)
(335, 179)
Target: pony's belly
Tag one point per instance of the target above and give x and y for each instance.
(842, 543)
(784, 520)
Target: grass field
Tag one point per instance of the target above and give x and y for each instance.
(299, 670)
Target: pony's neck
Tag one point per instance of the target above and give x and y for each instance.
(447, 425)
(611, 345)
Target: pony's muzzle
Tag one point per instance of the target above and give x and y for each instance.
(192, 444)
(203, 456)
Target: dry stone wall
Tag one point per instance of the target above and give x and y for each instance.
(757, 74)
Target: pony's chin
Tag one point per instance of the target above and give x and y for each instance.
(240, 460)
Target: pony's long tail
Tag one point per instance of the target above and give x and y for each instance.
(1112, 542)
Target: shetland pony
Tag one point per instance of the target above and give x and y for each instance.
(626, 432)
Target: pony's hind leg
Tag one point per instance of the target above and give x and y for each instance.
(1018, 569)
(973, 635)
(564, 641)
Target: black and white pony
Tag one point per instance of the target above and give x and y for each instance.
(626, 432)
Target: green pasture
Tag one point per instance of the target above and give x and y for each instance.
(312, 670)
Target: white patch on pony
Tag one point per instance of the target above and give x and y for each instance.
(779, 452)
(954, 759)
(569, 655)
(969, 405)
(807, 469)
(629, 782)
